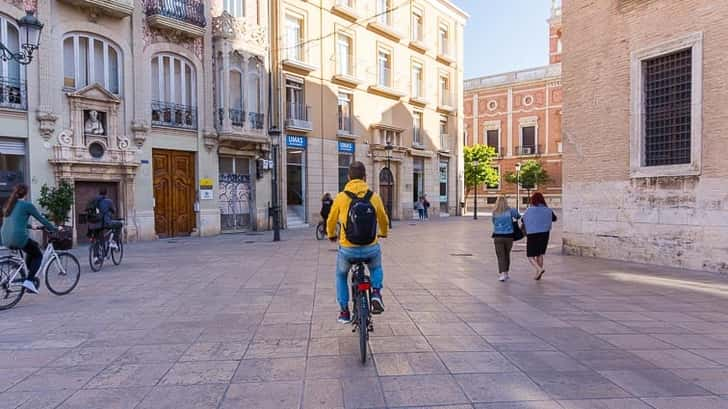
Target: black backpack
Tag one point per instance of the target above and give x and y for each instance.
(361, 221)
(93, 212)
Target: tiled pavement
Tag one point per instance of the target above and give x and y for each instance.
(239, 322)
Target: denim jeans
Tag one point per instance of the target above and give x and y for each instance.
(373, 253)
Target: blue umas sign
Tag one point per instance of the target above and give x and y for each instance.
(296, 141)
(346, 147)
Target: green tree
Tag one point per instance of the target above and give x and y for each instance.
(531, 175)
(57, 201)
(484, 173)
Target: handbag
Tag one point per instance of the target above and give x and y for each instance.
(517, 232)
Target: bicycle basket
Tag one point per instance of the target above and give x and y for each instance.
(62, 240)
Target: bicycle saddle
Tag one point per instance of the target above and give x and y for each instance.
(359, 260)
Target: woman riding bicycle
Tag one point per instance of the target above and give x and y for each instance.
(14, 232)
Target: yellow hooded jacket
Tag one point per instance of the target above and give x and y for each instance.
(340, 210)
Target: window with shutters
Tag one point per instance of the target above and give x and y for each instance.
(665, 136)
(174, 92)
(492, 137)
(89, 59)
(12, 74)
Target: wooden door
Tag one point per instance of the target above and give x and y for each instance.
(174, 192)
(84, 192)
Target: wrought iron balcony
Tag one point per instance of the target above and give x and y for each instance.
(187, 16)
(174, 115)
(237, 116)
(12, 93)
(527, 150)
(297, 117)
(256, 119)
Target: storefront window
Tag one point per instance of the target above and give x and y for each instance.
(443, 187)
(12, 167)
(345, 160)
(418, 179)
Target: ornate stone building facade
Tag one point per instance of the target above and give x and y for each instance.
(645, 87)
(519, 114)
(375, 81)
(122, 94)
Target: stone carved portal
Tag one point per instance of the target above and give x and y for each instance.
(93, 149)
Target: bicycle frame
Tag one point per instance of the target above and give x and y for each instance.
(49, 254)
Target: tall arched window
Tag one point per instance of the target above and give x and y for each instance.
(88, 59)
(174, 99)
(236, 8)
(12, 75)
(254, 94)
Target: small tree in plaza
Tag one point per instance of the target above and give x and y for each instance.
(483, 173)
(531, 175)
(57, 201)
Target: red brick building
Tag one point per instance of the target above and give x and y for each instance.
(519, 114)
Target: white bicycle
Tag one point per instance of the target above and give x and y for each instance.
(61, 270)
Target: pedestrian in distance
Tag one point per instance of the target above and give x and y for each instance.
(537, 222)
(326, 202)
(504, 218)
(420, 206)
(426, 203)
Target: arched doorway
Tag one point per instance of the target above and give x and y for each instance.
(386, 189)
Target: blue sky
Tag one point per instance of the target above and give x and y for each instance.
(505, 35)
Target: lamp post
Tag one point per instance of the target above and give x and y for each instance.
(388, 148)
(518, 187)
(476, 164)
(274, 133)
(30, 28)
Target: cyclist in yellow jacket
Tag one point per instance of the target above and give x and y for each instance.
(339, 214)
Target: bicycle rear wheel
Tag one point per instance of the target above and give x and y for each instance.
(11, 291)
(320, 231)
(62, 274)
(363, 319)
(117, 253)
(96, 256)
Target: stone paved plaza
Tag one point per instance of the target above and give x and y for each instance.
(239, 322)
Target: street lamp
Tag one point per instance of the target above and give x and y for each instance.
(518, 187)
(476, 163)
(388, 148)
(274, 133)
(30, 28)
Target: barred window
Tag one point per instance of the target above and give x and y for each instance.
(667, 108)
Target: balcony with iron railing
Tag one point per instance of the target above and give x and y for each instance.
(445, 102)
(297, 117)
(256, 120)
(183, 16)
(112, 8)
(385, 83)
(344, 127)
(174, 115)
(527, 150)
(12, 94)
(237, 117)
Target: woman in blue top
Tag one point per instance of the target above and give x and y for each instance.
(537, 220)
(14, 232)
(503, 217)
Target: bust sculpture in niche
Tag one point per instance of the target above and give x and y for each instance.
(94, 125)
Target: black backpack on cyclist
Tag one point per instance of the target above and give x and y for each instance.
(93, 212)
(361, 221)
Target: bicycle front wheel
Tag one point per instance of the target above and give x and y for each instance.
(363, 319)
(96, 256)
(320, 231)
(11, 284)
(117, 253)
(62, 274)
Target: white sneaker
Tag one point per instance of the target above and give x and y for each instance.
(502, 277)
(113, 246)
(30, 286)
(508, 277)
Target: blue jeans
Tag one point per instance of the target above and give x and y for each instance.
(373, 253)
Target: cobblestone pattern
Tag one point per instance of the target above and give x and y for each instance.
(239, 322)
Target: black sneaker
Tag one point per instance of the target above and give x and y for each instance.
(344, 317)
(376, 300)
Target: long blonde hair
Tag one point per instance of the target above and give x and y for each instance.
(501, 205)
